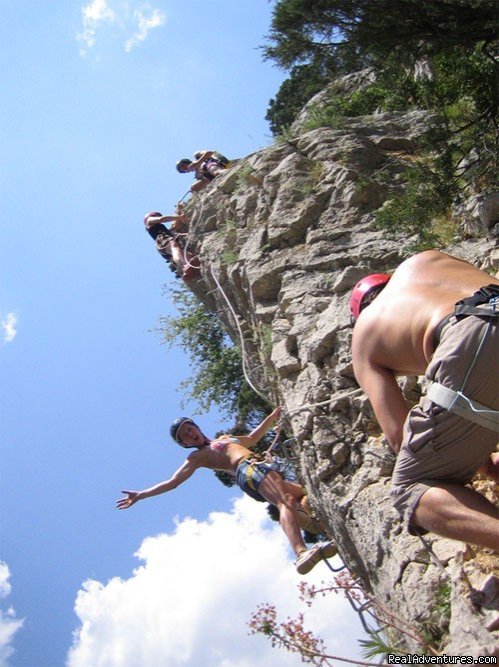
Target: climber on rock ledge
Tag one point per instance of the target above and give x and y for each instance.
(206, 166)
(260, 478)
(436, 315)
(183, 262)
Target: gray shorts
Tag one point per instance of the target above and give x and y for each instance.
(439, 446)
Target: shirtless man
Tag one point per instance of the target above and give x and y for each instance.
(408, 328)
(260, 479)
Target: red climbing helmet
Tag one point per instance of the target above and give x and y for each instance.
(364, 287)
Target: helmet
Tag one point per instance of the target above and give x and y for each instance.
(175, 427)
(184, 162)
(152, 214)
(363, 288)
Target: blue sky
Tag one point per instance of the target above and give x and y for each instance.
(100, 99)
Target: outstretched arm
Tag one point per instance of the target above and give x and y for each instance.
(257, 434)
(152, 221)
(197, 163)
(179, 477)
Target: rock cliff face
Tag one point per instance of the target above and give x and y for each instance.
(286, 233)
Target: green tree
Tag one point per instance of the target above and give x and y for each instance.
(303, 83)
(356, 33)
(317, 39)
(218, 377)
(438, 55)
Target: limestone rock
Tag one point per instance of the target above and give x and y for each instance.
(287, 248)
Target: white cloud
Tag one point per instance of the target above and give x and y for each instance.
(9, 327)
(144, 24)
(9, 625)
(94, 15)
(125, 20)
(5, 586)
(190, 600)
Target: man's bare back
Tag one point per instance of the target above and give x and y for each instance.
(397, 329)
(438, 448)
(394, 334)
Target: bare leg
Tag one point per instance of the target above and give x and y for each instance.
(284, 496)
(199, 185)
(177, 255)
(306, 519)
(460, 513)
(186, 263)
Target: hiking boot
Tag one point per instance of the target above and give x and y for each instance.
(309, 558)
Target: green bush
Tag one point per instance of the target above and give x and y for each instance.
(218, 377)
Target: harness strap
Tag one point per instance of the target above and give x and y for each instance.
(487, 310)
(484, 303)
(249, 464)
(457, 402)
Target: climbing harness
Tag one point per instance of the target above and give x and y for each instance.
(457, 402)
(483, 304)
(204, 169)
(162, 237)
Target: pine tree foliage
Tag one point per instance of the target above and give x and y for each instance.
(436, 55)
(303, 83)
(357, 33)
(323, 39)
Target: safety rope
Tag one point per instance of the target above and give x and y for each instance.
(244, 360)
(241, 337)
(187, 193)
(433, 556)
(308, 406)
(245, 367)
(186, 259)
